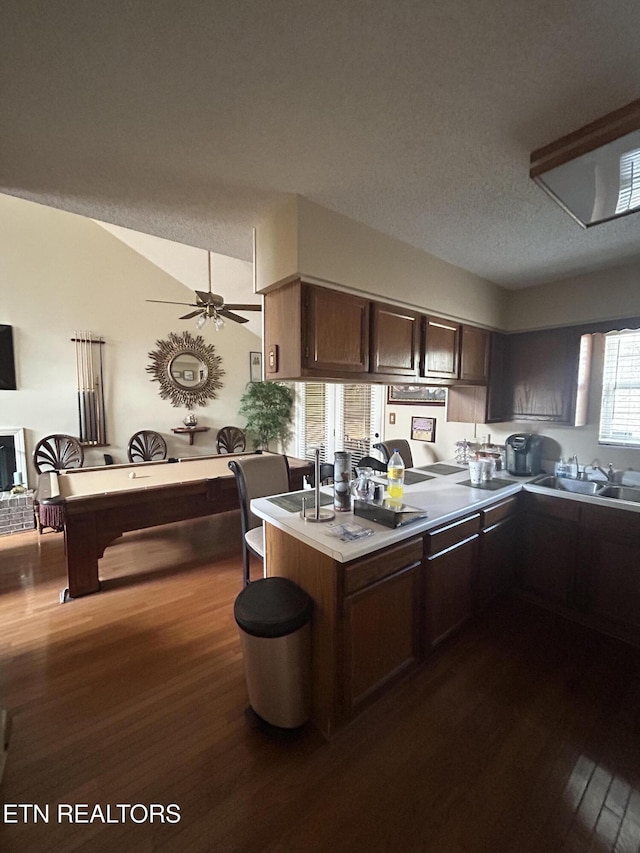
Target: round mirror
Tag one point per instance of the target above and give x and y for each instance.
(187, 369)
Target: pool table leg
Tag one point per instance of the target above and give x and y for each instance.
(82, 553)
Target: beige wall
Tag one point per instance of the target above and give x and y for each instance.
(59, 273)
(603, 295)
(307, 240)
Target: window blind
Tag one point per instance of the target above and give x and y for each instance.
(620, 409)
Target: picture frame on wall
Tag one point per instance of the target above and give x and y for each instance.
(423, 429)
(255, 367)
(416, 395)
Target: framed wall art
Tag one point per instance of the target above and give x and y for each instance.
(255, 366)
(416, 395)
(423, 429)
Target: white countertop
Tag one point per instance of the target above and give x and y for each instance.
(443, 498)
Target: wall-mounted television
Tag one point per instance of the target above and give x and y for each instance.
(7, 360)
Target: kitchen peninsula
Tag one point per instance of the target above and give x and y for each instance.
(384, 601)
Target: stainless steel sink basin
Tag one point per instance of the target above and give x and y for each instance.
(622, 493)
(563, 484)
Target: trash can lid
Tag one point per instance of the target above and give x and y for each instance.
(272, 607)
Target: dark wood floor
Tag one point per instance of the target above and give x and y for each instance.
(523, 734)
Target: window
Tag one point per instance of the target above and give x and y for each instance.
(337, 417)
(620, 409)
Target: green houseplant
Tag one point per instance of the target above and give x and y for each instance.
(267, 407)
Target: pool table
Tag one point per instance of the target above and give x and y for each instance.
(100, 504)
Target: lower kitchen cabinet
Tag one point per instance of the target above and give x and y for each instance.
(608, 585)
(548, 538)
(497, 548)
(381, 635)
(450, 569)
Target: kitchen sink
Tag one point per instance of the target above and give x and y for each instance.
(578, 487)
(622, 493)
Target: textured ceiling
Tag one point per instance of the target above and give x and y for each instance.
(190, 120)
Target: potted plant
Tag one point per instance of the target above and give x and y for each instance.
(267, 408)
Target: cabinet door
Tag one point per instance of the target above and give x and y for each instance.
(474, 354)
(395, 341)
(609, 570)
(542, 375)
(547, 561)
(336, 331)
(441, 348)
(381, 635)
(449, 583)
(496, 565)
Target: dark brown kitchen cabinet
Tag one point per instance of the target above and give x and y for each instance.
(542, 376)
(497, 549)
(381, 635)
(314, 332)
(450, 568)
(474, 354)
(395, 340)
(608, 587)
(482, 404)
(440, 349)
(548, 540)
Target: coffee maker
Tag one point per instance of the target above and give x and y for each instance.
(524, 454)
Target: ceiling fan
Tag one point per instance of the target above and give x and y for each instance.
(211, 306)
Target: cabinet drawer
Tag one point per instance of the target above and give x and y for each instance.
(364, 572)
(493, 514)
(566, 509)
(453, 533)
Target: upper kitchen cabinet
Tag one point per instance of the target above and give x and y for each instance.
(474, 354)
(543, 376)
(314, 332)
(482, 403)
(395, 341)
(441, 349)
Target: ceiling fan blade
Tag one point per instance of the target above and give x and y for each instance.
(252, 307)
(164, 302)
(190, 315)
(224, 312)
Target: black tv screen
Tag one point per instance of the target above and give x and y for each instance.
(7, 361)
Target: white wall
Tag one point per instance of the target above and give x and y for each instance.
(60, 273)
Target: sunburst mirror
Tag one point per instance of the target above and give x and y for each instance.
(187, 368)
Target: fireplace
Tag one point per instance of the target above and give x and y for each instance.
(12, 457)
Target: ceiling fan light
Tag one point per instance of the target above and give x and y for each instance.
(218, 322)
(202, 319)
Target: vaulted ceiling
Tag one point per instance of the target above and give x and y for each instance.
(192, 120)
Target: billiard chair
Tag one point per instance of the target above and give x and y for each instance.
(54, 453)
(399, 444)
(147, 446)
(257, 477)
(230, 439)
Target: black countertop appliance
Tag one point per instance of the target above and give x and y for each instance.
(524, 454)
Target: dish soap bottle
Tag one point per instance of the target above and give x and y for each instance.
(395, 479)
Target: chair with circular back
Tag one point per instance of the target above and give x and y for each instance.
(147, 446)
(231, 439)
(399, 444)
(55, 453)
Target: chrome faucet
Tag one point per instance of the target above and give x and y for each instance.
(610, 474)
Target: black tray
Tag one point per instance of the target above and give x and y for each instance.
(442, 468)
(490, 486)
(293, 501)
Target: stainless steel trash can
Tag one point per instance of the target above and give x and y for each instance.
(273, 616)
